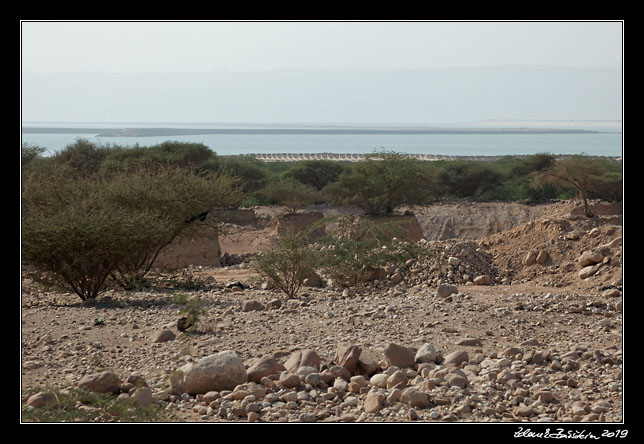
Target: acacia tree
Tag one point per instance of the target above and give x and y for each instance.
(583, 173)
(380, 183)
(290, 193)
(181, 201)
(84, 229)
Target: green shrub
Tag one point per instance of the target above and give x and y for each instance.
(315, 173)
(250, 171)
(192, 309)
(467, 179)
(290, 193)
(288, 262)
(84, 157)
(359, 244)
(30, 152)
(170, 153)
(85, 229)
(587, 175)
(380, 183)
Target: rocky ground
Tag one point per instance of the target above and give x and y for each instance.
(520, 322)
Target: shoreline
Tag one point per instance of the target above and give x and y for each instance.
(352, 157)
(155, 132)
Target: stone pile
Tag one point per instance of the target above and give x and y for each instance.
(529, 382)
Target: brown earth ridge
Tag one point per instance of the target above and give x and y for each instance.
(516, 318)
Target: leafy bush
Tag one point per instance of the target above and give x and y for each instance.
(467, 179)
(180, 200)
(290, 193)
(288, 262)
(30, 152)
(192, 310)
(170, 153)
(86, 229)
(358, 245)
(587, 175)
(83, 157)
(380, 183)
(315, 173)
(72, 229)
(250, 171)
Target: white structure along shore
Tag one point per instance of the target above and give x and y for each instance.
(295, 157)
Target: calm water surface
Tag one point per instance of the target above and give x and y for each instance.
(596, 144)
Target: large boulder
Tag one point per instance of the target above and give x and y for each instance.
(347, 356)
(303, 358)
(400, 356)
(104, 382)
(264, 367)
(426, 353)
(221, 371)
(445, 290)
(456, 358)
(590, 258)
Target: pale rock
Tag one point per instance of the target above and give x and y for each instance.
(445, 290)
(305, 371)
(289, 380)
(453, 261)
(414, 397)
(105, 382)
(399, 356)
(470, 342)
(394, 395)
(611, 293)
(426, 353)
(456, 358)
(303, 358)
(265, 366)
(530, 258)
(397, 379)
(252, 305)
(590, 258)
(524, 411)
(379, 380)
(542, 257)
(41, 399)
(143, 395)
(373, 402)
(163, 335)
(455, 380)
(347, 356)
(483, 280)
(360, 380)
(221, 371)
(544, 395)
(588, 271)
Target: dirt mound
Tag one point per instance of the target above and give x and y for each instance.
(490, 239)
(472, 221)
(560, 242)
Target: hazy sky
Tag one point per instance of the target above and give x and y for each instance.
(205, 46)
(51, 48)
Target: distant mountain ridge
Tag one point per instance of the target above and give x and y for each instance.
(292, 95)
(154, 132)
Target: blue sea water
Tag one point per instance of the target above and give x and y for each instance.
(595, 144)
